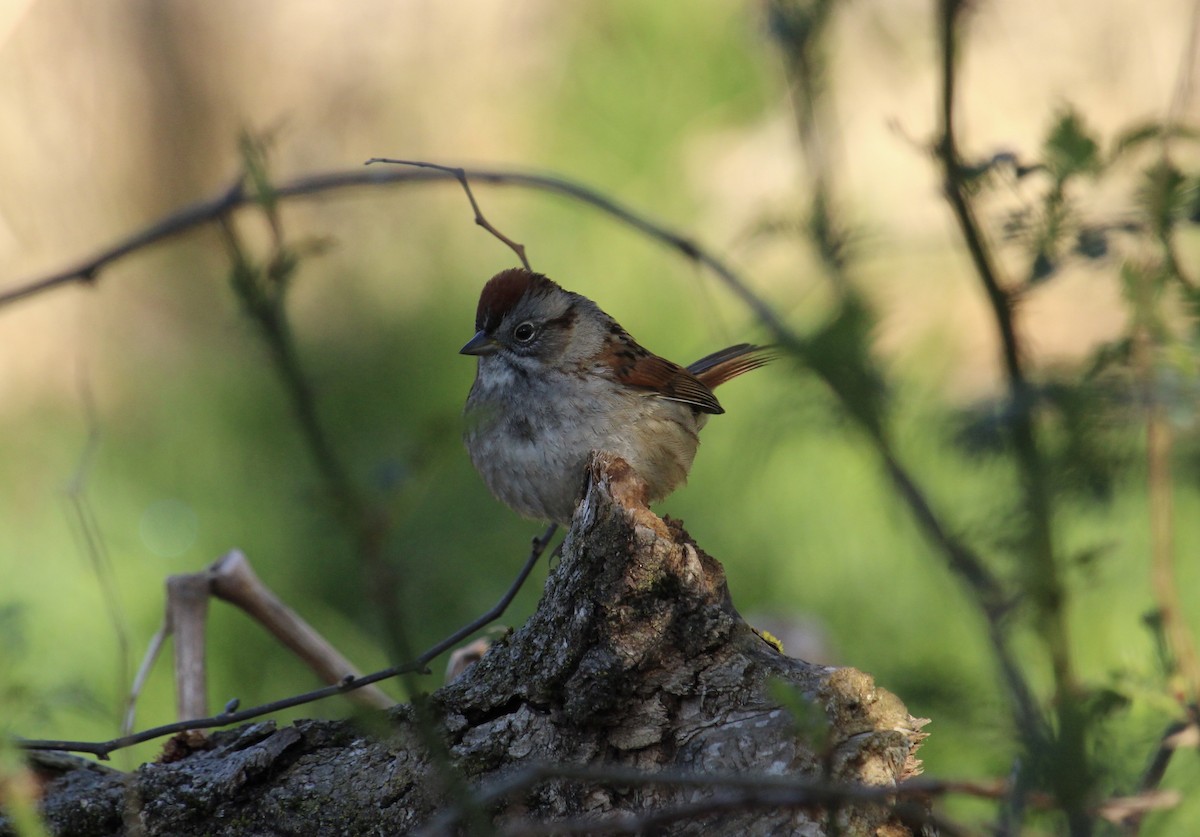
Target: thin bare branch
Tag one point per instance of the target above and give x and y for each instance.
(1184, 733)
(232, 579)
(102, 749)
(235, 197)
(460, 174)
(143, 674)
(1042, 579)
(89, 537)
(187, 597)
(742, 790)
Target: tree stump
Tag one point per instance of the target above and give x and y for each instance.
(635, 699)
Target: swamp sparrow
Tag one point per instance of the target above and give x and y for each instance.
(558, 379)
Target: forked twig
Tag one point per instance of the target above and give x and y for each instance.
(102, 749)
(460, 174)
(232, 579)
(1185, 733)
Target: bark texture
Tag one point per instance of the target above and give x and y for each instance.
(635, 660)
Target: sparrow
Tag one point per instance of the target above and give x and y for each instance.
(558, 379)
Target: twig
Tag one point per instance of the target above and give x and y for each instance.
(266, 313)
(1159, 436)
(232, 579)
(726, 803)
(262, 290)
(187, 598)
(86, 528)
(172, 225)
(1043, 582)
(102, 749)
(460, 174)
(233, 198)
(750, 788)
(143, 674)
(800, 28)
(537, 548)
(1179, 734)
(1044, 571)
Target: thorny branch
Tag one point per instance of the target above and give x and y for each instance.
(261, 289)
(1029, 717)
(799, 31)
(1067, 741)
(1042, 561)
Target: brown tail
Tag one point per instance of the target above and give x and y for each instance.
(719, 367)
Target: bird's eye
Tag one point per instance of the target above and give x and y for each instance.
(524, 332)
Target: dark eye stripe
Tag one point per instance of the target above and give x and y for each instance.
(568, 318)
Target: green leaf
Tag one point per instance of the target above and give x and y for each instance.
(1070, 148)
(1163, 196)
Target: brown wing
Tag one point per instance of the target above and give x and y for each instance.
(669, 380)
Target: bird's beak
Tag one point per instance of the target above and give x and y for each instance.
(480, 344)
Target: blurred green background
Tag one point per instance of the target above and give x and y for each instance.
(146, 407)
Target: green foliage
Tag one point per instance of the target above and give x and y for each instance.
(819, 527)
(1070, 149)
(1088, 416)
